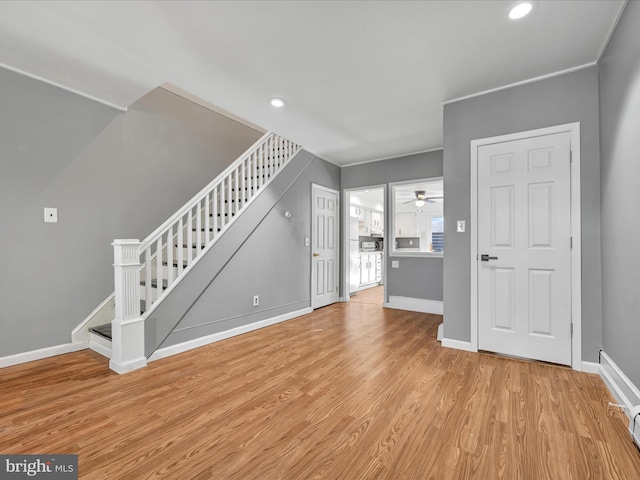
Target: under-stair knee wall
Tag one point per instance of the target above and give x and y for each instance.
(262, 253)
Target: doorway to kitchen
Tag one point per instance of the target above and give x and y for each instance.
(365, 245)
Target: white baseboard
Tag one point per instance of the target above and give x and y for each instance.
(623, 389)
(128, 366)
(415, 304)
(591, 367)
(216, 337)
(440, 332)
(458, 345)
(41, 353)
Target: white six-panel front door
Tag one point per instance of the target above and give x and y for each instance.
(524, 249)
(324, 263)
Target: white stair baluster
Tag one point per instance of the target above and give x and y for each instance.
(179, 242)
(169, 248)
(261, 164)
(189, 243)
(229, 199)
(216, 222)
(148, 295)
(159, 267)
(207, 219)
(199, 211)
(243, 174)
(223, 205)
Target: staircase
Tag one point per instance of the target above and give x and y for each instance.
(146, 272)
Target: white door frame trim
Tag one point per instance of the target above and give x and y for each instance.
(345, 236)
(576, 253)
(313, 236)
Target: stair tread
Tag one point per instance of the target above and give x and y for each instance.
(103, 330)
(193, 245)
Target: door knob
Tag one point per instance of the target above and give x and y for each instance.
(316, 254)
(485, 258)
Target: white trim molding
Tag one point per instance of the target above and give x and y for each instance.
(459, 345)
(522, 82)
(122, 108)
(216, 337)
(415, 304)
(618, 383)
(621, 388)
(576, 228)
(41, 353)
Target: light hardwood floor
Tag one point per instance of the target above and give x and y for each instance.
(351, 391)
(373, 295)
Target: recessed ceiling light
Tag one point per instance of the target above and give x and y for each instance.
(519, 10)
(277, 102)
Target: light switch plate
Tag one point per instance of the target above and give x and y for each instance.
(50, 215)
(461, 226)
(306, 241)
(395, 263)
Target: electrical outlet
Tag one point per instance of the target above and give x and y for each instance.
(395, 263)
(50, 215)
(256, 300)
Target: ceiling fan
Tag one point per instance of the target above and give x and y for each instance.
(421, 198)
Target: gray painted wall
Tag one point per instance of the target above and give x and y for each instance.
(110, 174)
(559, 100)
(262, 254)
(620, 157)
(416, 277)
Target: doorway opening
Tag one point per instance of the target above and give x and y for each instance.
(365, 240)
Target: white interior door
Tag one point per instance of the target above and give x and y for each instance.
(524, 248)
(324, 233)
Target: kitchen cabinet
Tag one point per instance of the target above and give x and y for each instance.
(357, 211)
(370, 222)
(370, 268)
(406, 224)
(377, 222)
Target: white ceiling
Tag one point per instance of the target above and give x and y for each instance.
(363, 80)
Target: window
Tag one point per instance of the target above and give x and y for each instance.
(417, 218)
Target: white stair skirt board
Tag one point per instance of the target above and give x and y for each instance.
(100, 344)
(414, 304)
(216, 337)
(458, 345)
(41, 353)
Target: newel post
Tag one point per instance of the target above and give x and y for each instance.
(127, 328)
